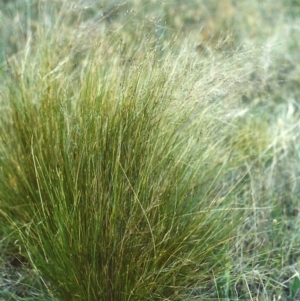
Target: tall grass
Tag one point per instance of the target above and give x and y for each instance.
(129, 153)
(113, 176)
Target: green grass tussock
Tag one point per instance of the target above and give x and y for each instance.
(149, 151)
(113, 183)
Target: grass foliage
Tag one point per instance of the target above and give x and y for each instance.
(108, 186)
(140, 163)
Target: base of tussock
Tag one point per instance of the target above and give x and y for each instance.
(136, 166)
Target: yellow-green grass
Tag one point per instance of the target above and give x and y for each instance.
(197, 107)
(113, 177)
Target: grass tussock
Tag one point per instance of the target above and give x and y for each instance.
(113, 182)
(147, 154)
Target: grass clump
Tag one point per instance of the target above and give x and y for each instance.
(111, 177)
(127, 150)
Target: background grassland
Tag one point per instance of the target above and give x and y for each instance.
(187, 107)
